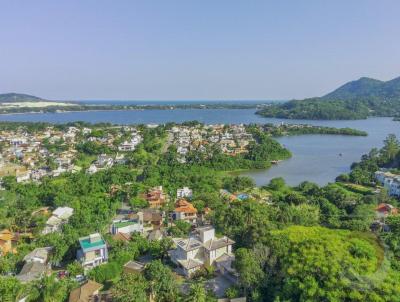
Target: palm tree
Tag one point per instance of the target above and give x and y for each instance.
(391, 147)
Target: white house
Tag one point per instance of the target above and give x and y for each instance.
(103, 160)
(184, 192)
(126, 146)
(128, 226)
(390, 181)
(59, 217)
(40, 254)
(130, 145)
(200, 249)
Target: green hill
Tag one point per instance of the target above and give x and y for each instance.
(18, 97)
(354, 100)
(367, 88)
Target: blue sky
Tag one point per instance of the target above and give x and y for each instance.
(209, 49)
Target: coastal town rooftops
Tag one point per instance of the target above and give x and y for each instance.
(92, 242)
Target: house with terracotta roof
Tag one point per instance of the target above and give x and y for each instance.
(384, 210)
(155, 197)
(201, 249)
(88, 292)
(184, 210)
(8, 242)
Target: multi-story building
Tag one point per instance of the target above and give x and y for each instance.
(184, 210)
(390, 181)
(156, 197)
(93, 251)
(200, 249)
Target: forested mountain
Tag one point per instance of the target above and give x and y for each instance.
(18, 97)
(367, 88)
(354, 100)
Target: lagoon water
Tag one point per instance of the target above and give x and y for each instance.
(315, 157)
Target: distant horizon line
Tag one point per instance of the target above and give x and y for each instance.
(40, 98)
(175, 100)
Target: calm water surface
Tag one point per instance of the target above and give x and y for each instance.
(315, 157)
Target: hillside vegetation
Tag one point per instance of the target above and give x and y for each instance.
(354, 100)
(18, 97)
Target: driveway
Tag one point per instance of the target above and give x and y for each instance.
(218, 285)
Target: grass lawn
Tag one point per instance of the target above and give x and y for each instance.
(357, 188)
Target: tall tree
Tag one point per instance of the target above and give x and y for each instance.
(391, 147)
(249, 269)
(130, 288)
(162, 283)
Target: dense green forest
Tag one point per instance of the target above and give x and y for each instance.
(354, 100)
